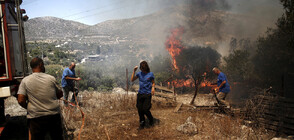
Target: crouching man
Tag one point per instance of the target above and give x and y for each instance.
(223, 87)
(39, 94)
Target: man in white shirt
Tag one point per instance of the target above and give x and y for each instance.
(39, 94)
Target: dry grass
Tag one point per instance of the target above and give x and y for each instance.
(114, 116)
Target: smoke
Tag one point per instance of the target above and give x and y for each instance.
(208, 5)
(206, 22)
(213, 22)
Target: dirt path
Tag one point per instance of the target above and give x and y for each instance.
(201, 99)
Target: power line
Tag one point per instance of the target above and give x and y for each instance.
(103, 12)
(30, 2)
(93, 9)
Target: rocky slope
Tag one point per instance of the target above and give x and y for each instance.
(51, 27)
(198, 24)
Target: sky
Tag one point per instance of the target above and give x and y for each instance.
(95, 11)
(90, 11)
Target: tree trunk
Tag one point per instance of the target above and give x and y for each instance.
(196, 90)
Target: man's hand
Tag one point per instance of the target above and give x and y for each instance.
(153, 87)
(133, 78)
(135, 68)
(78, 79)
(152, 91)
(216, 89)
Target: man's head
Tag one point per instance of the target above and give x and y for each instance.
(72, 66)
(37, 65)
(144, 67)
(216, 70)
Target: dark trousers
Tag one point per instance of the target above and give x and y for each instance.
(66, 91)
(41, 126)
(144, 106)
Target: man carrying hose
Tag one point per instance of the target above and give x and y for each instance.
(39, 94)
(223, 87)
(67, 82)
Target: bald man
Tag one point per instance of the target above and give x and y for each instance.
(223, 87)
(67, 82)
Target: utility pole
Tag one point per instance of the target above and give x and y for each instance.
(127, 78)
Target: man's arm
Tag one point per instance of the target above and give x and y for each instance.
(22, 100)
(59, 93)
(221, 85)
(133, 78)
(72, 78)
(153, 88)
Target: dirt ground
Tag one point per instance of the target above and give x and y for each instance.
(114, 116)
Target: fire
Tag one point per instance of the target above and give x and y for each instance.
(174, 47)
(173, 44)
(206, 83)
(189, 83)
(183, 83)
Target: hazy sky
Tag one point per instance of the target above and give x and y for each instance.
(90, 11)
(94, 11)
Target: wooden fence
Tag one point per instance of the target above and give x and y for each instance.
(161, 91)
(277, 114)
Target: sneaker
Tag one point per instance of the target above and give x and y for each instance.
(154, 122)
(142, 125)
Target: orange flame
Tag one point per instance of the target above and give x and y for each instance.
(173, 44)
(174, 47)
(183, 83)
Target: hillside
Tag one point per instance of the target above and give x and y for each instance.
(198, 24)
(51, 27)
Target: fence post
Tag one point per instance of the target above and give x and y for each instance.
(127, 78)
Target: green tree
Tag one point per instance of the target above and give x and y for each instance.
(238, 66)
(194, 61)
(56, 71)
(275, 51)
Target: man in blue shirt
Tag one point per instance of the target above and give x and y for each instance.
(223, 87)
(146, 90)
(67, 82)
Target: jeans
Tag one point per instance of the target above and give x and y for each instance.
(66, 91)
(144, 106)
